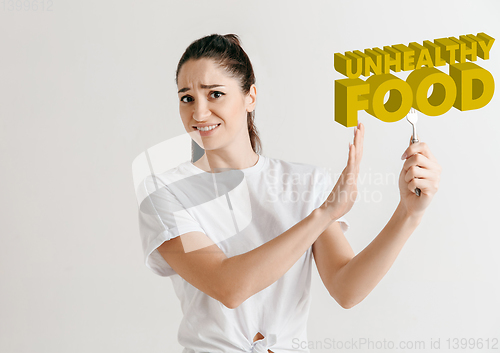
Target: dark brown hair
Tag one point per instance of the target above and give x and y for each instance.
(227, 53)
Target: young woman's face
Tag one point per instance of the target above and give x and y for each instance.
(202, 104)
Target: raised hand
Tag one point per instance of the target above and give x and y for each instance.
(344, 194)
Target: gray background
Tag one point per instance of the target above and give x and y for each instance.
(89, 85)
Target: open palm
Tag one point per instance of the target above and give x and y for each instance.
(345, 192)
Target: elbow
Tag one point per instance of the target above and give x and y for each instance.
(231, 297)
(346, 302)
(345, 298)
(230, 304)
(233, 289)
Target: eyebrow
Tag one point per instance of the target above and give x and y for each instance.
(185, 89)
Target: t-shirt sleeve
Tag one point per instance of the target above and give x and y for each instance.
(161, 218)
(324, 186)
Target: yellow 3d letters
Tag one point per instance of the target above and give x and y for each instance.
(468, 86)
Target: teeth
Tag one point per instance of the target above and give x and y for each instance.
(207, 128)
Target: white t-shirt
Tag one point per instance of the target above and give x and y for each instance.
(238, 210)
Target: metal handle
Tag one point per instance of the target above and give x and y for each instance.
(417, 190)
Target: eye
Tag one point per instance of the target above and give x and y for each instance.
(182, 99)
(217, 92)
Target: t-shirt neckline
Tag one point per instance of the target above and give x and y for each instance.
(250, 170)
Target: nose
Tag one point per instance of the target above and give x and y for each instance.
(201, 111)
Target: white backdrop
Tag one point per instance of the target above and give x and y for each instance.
(87, 86)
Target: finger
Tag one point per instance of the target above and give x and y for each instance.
(421, 148)
(427, 152)
(426, 186)
(352, 156)
(422, 161)
(350, 172)
(424, 149)
(358, 141)
(419, 173)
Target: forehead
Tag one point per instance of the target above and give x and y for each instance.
(195, 72)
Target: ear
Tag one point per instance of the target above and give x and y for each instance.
(251, 98)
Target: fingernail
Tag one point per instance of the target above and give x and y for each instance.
(403, 156)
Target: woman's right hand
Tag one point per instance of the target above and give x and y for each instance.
(345, 192)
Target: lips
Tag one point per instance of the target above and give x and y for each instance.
(208, 132)
(206, 125)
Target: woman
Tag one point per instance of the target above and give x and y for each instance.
(244, 286)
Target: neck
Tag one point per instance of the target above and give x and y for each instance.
(212, 161)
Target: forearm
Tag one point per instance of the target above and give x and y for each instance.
(355, 280)
(257, 269)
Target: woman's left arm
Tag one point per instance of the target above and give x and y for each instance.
(349, 283)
